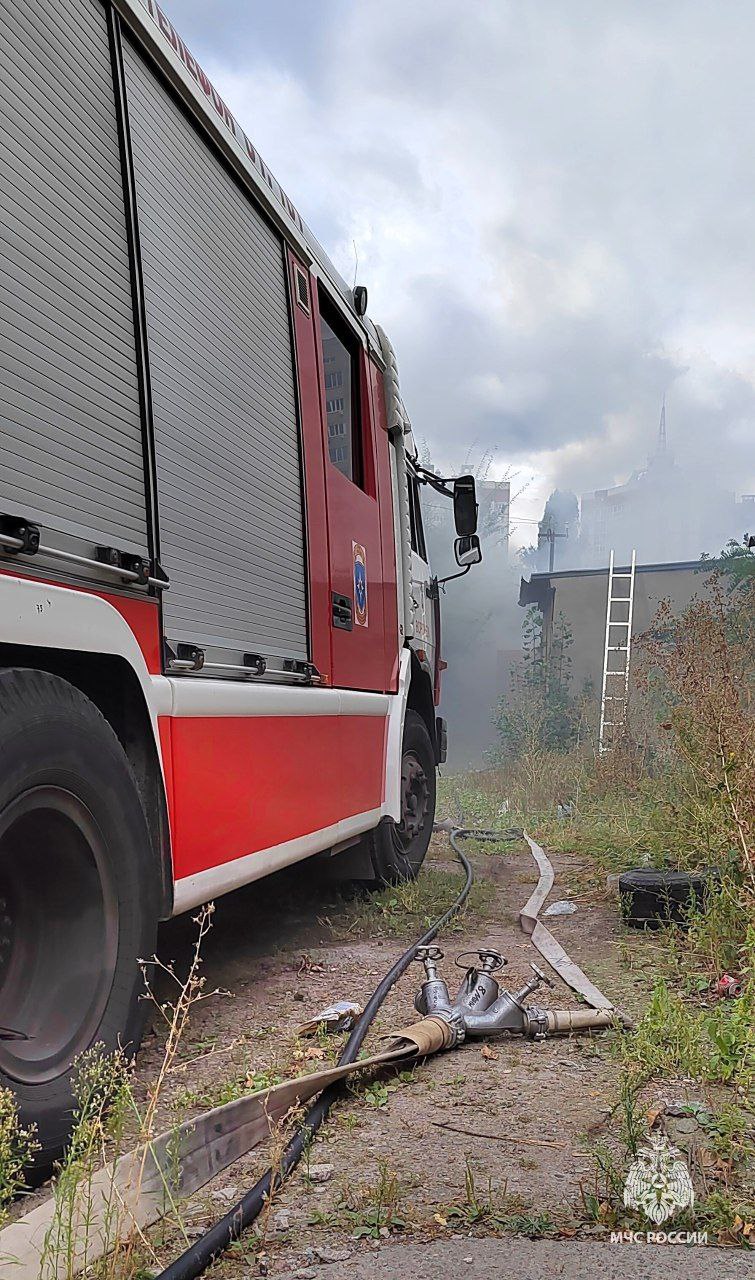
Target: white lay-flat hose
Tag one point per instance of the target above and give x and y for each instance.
(552, 951)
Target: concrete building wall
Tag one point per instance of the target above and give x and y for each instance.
(581, 596)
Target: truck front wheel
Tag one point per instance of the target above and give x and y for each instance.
(399, 848)
(78, 896)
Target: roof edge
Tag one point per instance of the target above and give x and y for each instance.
(661, 567)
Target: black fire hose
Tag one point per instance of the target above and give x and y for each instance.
(199, 1255)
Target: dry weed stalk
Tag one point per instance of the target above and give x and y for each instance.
(175, 1015)
(101, 1086)
(281, 1133)
(105, 1097)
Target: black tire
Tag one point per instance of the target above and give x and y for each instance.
(78, 896)
(650, 898)
(399, 848)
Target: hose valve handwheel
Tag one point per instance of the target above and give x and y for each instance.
(489, 960)
(429, 957)
(541, 977)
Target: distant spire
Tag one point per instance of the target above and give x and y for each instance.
(662, 441)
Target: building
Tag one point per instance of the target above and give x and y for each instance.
(581, 596)
(494, 498)
(664, 511)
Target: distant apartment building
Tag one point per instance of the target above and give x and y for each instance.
(494, 498)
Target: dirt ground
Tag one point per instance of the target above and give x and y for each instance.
(528, 1112)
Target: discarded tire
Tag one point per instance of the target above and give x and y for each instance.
(651, 898)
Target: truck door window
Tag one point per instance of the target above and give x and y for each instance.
(341, 378)
(415, 519)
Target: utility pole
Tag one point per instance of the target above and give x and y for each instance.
(549, 535)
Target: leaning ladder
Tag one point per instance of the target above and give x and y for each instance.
(615, 691)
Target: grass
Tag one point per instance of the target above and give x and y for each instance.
(714, 1045)
(102, 1089)
(227, 1089)
(730, 1133)
(615, 827)
(234, 1079)
(17, 1148)
(710, 1044)
(377, 1093)
(406, 910)
(620, 820)
(728, 1218)
(369, 1210)
(92, 1229)
(492, 1210)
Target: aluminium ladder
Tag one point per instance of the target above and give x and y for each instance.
(615, 691)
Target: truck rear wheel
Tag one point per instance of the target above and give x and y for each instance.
(399, 848)
(78, 896)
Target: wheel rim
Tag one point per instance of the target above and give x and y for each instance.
(58, 933)
(415, 798)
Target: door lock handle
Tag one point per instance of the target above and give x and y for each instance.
(342, 612)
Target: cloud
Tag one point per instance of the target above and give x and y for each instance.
(552, 206)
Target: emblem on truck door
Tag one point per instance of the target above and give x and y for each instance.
(360, 584)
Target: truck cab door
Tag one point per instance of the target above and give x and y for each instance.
(358, 582)
(425, 610)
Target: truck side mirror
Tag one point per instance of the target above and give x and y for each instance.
(465, 506)
(468, 550)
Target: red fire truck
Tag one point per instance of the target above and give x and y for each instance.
(218, 629)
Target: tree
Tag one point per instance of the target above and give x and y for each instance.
(561, 512)
(560, 519)
(736, 561)
(539, 712)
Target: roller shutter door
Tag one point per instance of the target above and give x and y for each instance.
(226, 433)
(70, 433)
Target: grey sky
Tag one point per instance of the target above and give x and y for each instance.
(553, 205)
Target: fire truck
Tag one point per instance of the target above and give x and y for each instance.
(219, 633)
